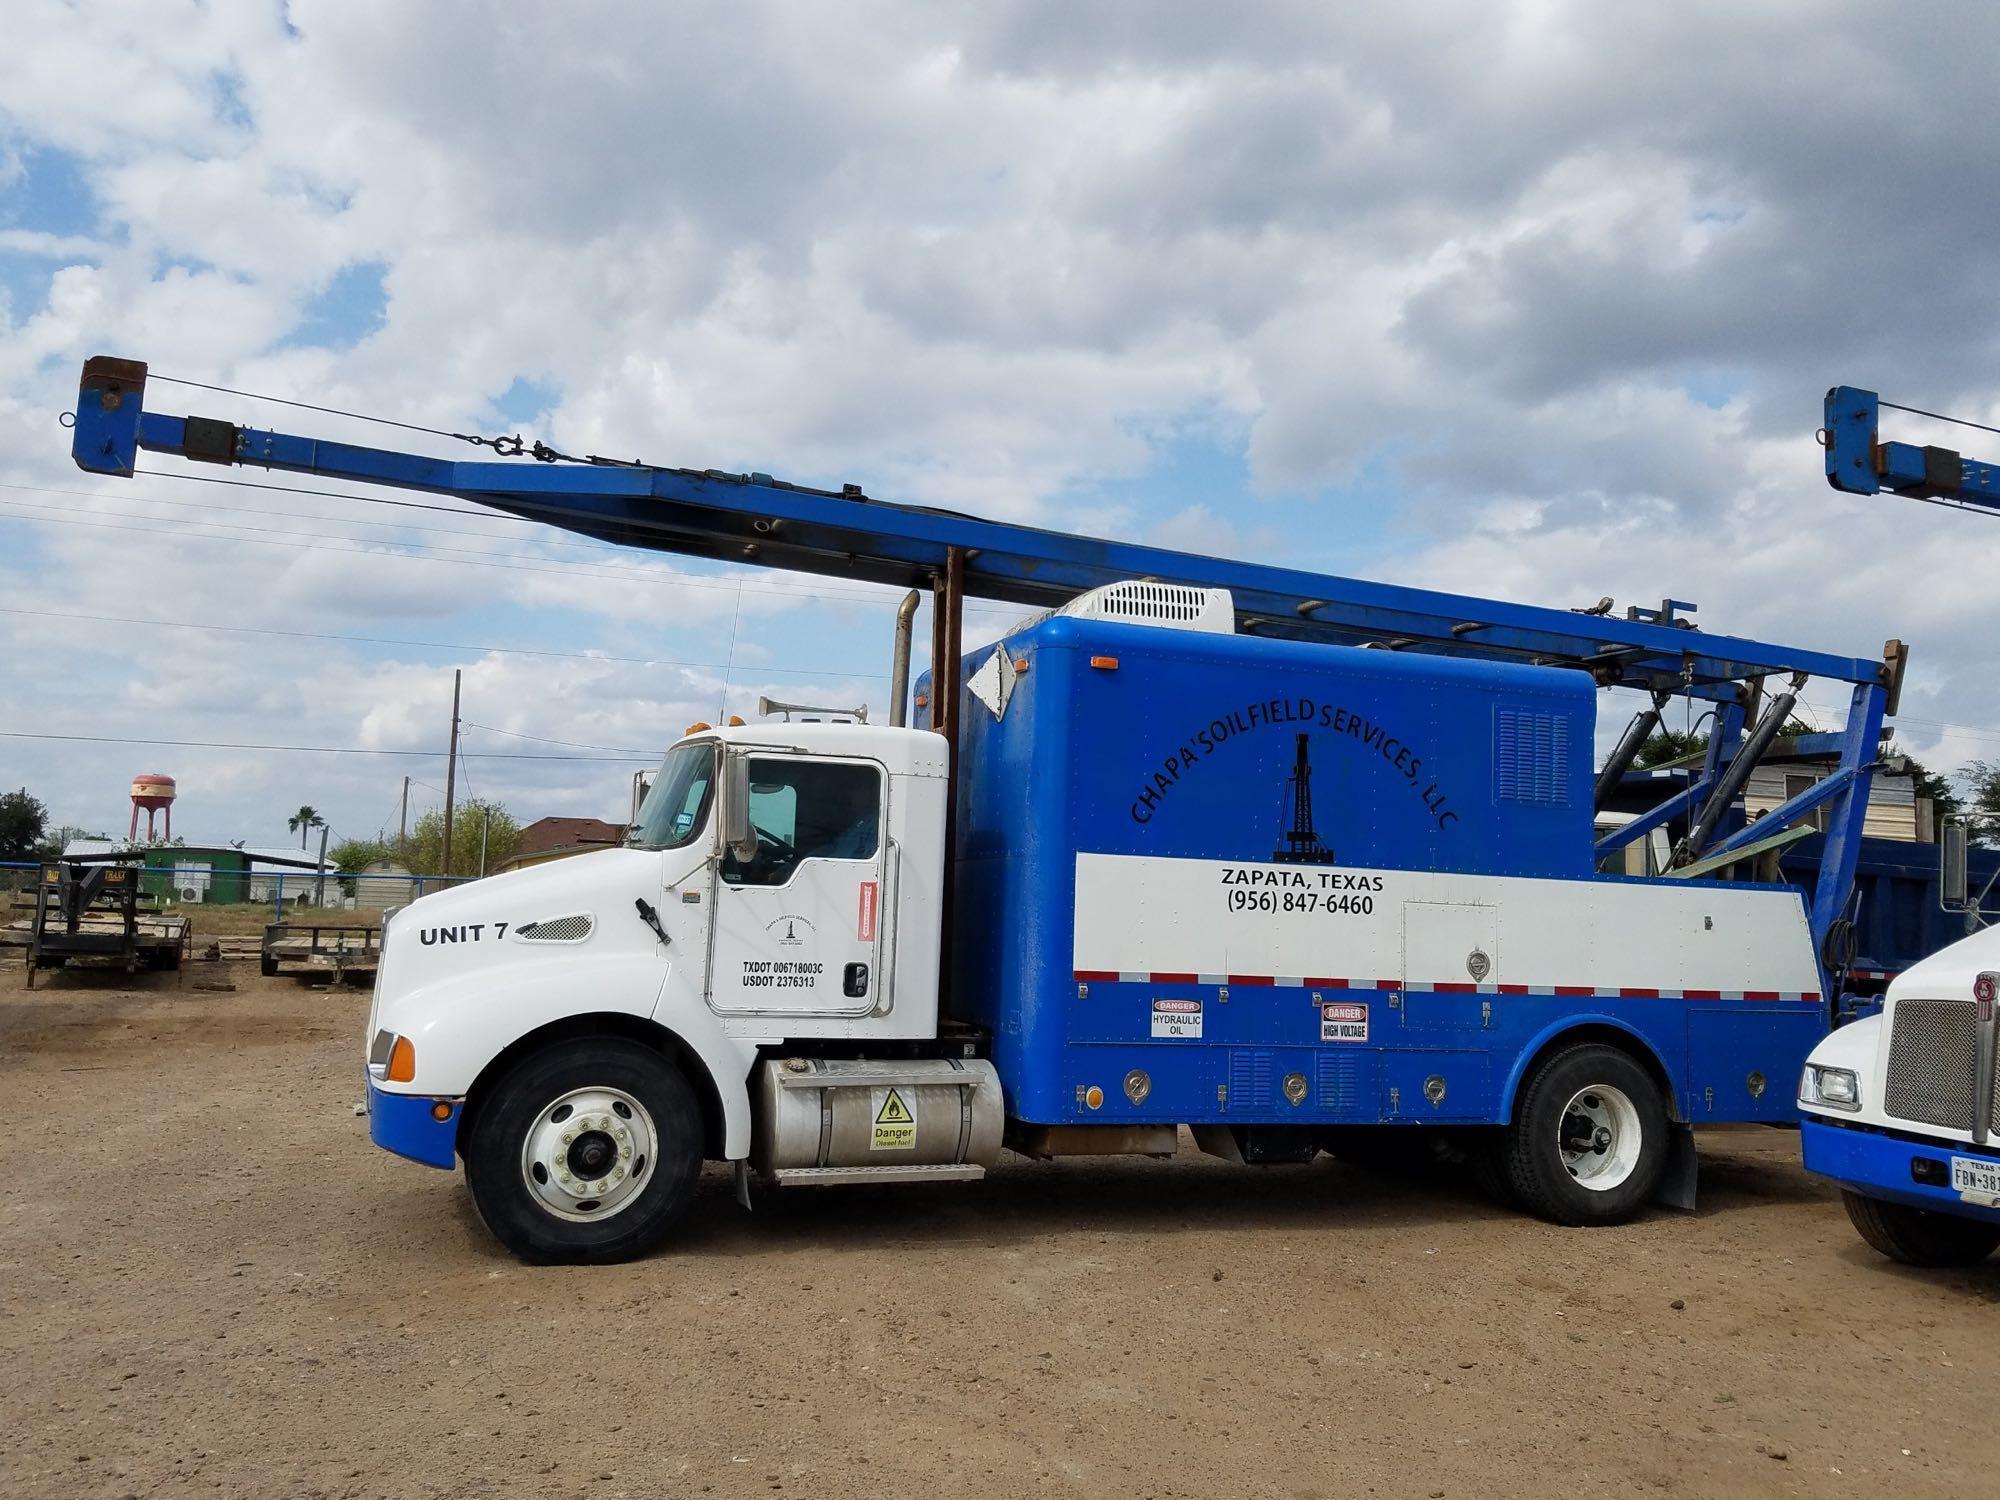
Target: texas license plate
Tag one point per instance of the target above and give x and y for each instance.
(1975, 1178)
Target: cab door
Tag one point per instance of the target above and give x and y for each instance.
(797, 927)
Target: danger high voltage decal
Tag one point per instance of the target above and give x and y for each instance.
(1300, 715)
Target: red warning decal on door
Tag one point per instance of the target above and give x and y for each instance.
(864, 926)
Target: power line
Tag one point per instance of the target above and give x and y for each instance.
(107, 739)
(463, 557)
(480, 512)
(541, 740)
(378, 640)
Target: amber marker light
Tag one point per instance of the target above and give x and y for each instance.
(402, 1061)
(1094, 1097)
(441, 1110)
(1105, 663)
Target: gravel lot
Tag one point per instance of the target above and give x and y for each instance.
(211, 1284)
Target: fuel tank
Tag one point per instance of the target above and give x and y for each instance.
(821, 1120)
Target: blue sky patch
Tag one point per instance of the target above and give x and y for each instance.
(350, 307)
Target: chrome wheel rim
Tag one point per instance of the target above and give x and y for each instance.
(588, 1154)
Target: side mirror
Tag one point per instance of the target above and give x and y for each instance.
(738, 836)
(1951, 866)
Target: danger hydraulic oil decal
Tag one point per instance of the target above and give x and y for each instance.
(1177, 1018)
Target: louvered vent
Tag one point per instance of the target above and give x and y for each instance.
(1249, 1080)
(1531, 757)
(1177, 606)
(1342, 1076)
(570, 929)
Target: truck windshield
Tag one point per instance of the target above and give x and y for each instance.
(676, 809)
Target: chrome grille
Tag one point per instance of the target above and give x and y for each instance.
(1931, 1048)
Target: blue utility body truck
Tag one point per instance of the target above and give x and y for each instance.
(1275, 856)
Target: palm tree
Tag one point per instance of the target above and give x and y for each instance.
(304, 821)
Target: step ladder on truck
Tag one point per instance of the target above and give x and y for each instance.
(1901, 1107)
(1294, 861)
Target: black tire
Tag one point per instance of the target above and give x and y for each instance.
(1919, 1237)
(1537, 1174)
(493, 1140)
(267, 966)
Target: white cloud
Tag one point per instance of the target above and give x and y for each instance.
(1543, 294)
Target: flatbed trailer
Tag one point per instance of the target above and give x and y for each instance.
(95, 915)
(333, 949)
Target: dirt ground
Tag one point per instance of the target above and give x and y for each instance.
(210, 1283)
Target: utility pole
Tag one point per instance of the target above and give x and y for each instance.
(485, 819)
(319, 875)
(451, 772)
(403, 822)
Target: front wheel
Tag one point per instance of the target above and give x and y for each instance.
(1589, 1140)
(1919, 1237)
(586, 1151)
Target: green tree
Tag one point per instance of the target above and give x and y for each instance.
(23, 824)
(1981, 780)
(352, 856)
(473, 819)
(1665, 747)
(1945, 801)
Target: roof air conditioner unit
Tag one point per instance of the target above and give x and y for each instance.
(1176, 606)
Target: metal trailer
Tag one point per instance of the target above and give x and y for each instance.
(1105, 890)
(335, 950)
(95, 913)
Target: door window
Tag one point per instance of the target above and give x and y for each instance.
(807, 809)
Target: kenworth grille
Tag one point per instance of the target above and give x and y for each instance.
(1933, 1049)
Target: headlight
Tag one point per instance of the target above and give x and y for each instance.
(1835, 1088)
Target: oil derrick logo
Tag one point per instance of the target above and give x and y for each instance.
(1299, 844)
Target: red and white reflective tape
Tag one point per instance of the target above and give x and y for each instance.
(1444, 987)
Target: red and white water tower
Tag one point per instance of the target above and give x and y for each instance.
(155, 793)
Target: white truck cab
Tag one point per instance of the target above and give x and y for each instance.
(601, 1016)
(1901, 1109)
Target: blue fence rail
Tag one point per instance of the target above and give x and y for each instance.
(246, 887)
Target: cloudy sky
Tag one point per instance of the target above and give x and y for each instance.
(1535, 300)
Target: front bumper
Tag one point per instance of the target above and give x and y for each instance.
(1877, 1165)
(408, 1125)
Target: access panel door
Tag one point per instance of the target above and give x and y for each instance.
(797, 929)
(1450, 950)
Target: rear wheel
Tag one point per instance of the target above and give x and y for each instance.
(1589, 1140)
(586, 1151)
(1919, 1237)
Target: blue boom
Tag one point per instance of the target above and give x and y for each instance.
(753, 518)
